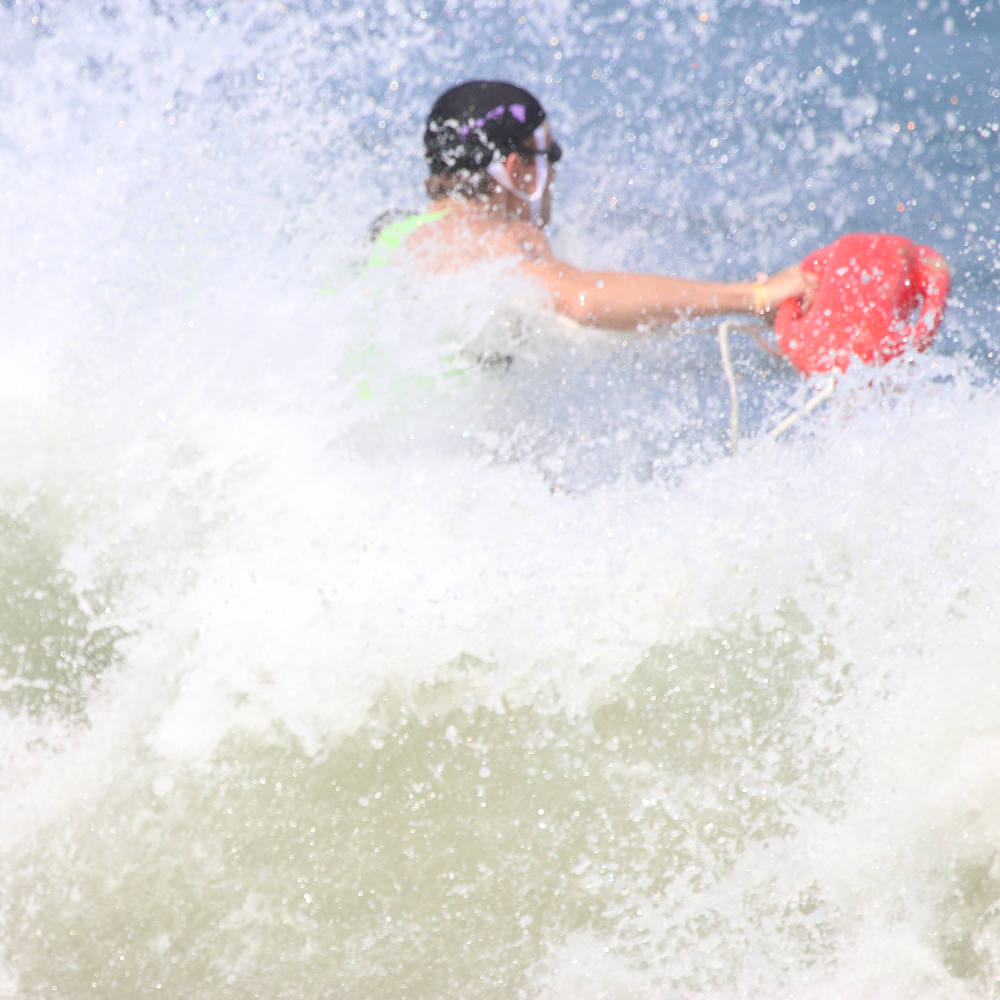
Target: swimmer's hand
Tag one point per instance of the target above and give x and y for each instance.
(792, 283)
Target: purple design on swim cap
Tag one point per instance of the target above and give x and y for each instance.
(517, 110)
(497, 112)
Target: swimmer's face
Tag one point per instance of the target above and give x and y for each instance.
(524, 173)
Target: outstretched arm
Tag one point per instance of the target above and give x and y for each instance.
(624, 300)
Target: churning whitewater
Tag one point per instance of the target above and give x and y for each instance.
(370, 634)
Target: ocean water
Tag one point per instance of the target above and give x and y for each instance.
(374, 635)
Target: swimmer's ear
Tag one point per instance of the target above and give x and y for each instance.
(509, 166)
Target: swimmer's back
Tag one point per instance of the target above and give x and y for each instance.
(459, 237)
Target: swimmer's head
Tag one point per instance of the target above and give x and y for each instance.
(472, 128)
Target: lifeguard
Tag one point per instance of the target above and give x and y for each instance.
(492, 160)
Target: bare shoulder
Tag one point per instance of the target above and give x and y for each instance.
(531, 241)
(462, 237)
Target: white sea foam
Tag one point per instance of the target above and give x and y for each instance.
(352, 557)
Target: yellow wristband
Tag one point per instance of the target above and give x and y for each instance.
(760, 299)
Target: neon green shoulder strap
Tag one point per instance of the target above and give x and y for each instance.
(395, 235)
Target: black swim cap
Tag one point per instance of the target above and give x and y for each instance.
(470, 121)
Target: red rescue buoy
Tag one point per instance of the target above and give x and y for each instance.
(876, 295)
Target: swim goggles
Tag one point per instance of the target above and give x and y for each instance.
(553, 154)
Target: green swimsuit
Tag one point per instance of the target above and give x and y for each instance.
(396, 233)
